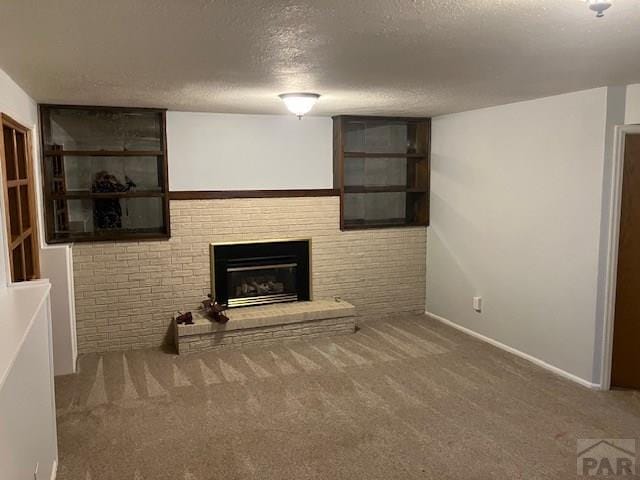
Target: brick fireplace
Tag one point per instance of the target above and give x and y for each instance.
(260, 273)
(127, 292)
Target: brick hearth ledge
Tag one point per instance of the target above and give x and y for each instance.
(266, 324)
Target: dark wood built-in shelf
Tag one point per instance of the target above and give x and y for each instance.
(382, 223)
(383, 188)
(383, 155)
(17, 176)
(134, 234)
(226, 194)
(103, 153)
(87, 194)
(378, 188)
(92, 197)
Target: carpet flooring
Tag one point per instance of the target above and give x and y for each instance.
(406, 398)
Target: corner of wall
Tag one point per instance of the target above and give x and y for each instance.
(490, 222)
(616, 99)
(632, 104)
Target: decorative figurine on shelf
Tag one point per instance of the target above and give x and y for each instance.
(107, 213)
(184, 318)
(213, 310)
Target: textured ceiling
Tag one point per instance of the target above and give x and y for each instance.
(420, 57)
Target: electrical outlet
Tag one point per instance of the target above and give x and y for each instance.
(477, 304)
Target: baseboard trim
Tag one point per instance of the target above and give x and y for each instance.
(54, 470)
(516, 352)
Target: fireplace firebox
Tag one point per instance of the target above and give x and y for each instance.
(245, 274)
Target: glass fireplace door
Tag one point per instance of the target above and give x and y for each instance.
(261, 283)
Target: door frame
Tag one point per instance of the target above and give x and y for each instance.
(6, 120)
(620, 133)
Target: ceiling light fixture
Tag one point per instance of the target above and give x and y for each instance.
(299, 103)
(599, 6)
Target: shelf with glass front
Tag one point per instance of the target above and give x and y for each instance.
(105, 172)
(382, 169)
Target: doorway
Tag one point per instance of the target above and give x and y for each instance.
(625, 357)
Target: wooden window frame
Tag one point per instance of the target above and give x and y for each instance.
(418, 182)
(32, 230)
(49, 196)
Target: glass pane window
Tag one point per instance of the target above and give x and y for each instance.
(382, 168)
(103, 174)
(25, 207)
(21, 154)
(387, 207)
(102, 129)
(29, 265)
(17, 264)
(102, 216)
(377, 137)
(14, 212)
(375, 172)
(11, 167)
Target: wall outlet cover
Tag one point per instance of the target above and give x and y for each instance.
(477, 304)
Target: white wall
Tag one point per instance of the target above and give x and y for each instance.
(27, 406)
(54, 259)
(516, 218)
(58, 265)
(244, 152)
(633, 104)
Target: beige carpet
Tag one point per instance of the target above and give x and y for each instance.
(406, 398)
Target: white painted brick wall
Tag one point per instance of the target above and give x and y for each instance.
(127, 292)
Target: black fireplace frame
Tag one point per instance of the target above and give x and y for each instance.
(222, 254)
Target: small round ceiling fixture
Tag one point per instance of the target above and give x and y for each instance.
(299, 103)
(599, 6)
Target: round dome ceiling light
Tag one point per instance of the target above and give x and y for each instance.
(599, 6)
(299, 103)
